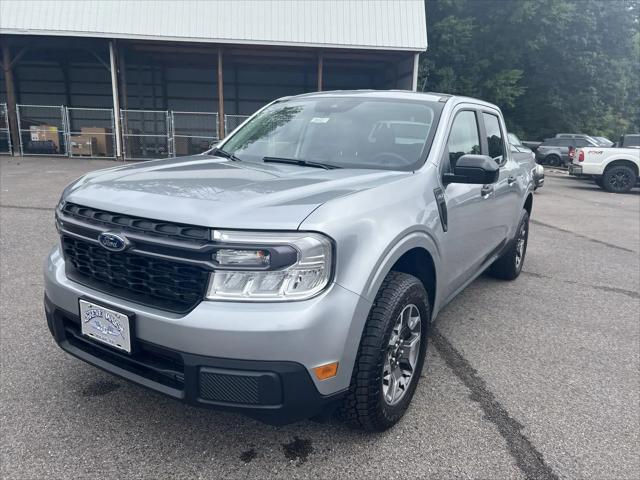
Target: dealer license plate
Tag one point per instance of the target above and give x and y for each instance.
(105, 325)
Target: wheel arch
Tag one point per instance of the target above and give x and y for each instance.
(528, 203)
(419, 263)
(416, 254)
(621, 162)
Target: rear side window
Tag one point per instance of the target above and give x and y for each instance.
(464, 137)
(495, 141)
(580, 142)
(631, 141)
(559, 142)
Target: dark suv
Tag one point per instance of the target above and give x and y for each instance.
(555, 151)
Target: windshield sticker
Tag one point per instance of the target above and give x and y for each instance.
(319, 119)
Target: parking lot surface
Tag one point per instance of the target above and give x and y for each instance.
(536, 378)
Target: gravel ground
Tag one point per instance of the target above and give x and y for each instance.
(537, 378)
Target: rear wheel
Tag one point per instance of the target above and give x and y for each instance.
(390, 357)
(509, 265)
(619, 179)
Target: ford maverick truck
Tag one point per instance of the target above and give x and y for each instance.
(295, 269)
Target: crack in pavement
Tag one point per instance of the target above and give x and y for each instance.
(525, 454)
(600, 242)
(20, 207)
(604, 288)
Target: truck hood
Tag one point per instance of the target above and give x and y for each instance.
(216, 192)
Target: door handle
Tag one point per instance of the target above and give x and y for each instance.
(511, 180)
(486, 191)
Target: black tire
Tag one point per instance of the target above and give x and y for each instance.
(552, 160)
(364, 406)
(509, 265)
(619, 179)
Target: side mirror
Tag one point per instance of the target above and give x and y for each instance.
(474, 169)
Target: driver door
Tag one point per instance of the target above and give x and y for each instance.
(470, 235)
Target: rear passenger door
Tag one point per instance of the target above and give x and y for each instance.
(505, 208)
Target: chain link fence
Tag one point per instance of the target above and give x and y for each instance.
(146, 134)
(5, 134)
(42, 129)
(91, 132)
(231, 122)
(193, 132)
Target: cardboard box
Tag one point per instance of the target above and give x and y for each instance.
(104, 140)
(181, 145)
(83, 146)
(44, 133)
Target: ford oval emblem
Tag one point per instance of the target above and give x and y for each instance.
(113, 242)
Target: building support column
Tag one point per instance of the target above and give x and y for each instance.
(123, 96)
(320, 70)
(7, 66)
(221, 121)
(416, 66)
(116, 99)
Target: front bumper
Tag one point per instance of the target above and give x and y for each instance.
(273, 392)
(575, 169)
(271, 347)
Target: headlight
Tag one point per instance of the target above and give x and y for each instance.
(263, 266)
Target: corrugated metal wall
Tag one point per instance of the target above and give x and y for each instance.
(379, 24)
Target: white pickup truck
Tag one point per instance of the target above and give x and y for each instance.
(614, 169)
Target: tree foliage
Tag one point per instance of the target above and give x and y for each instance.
(551, 65)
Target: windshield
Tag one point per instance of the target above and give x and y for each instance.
(348, 132)
(602, 141)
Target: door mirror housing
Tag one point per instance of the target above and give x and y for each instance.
(474, 169)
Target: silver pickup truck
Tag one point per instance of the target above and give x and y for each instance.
(295, 269)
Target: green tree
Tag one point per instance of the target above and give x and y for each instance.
(551, 65)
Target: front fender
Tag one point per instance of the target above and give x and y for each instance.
(402, 244)
(372, 229)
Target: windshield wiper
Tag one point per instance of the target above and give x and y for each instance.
(302, 163)
(221, 153)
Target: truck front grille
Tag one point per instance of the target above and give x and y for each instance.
(131, 223)
(155, 282)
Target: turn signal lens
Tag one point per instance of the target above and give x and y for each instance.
(326, 371)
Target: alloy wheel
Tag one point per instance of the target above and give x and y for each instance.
(521, 245)
(402, 355)
(620, 180)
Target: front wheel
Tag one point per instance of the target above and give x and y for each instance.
(509, 265)
(390, 357)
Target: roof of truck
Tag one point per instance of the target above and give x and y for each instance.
(399, 94)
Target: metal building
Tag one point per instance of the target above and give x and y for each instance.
(139, 79)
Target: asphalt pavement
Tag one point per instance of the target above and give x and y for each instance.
(536, 378)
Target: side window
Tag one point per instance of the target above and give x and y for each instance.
(464, 137)
(580, 142)
(494, 137)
